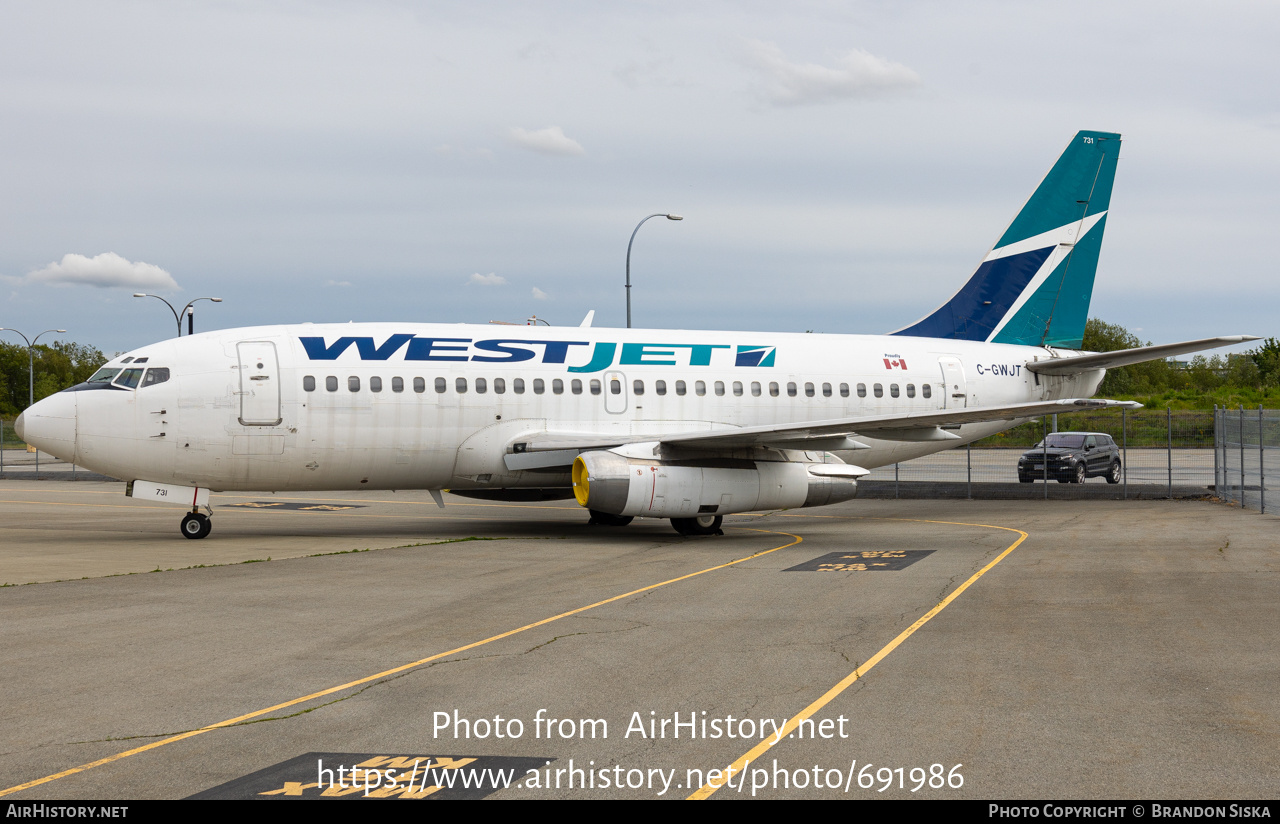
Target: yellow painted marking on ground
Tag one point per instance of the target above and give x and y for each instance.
(394, 671)
(760, 749)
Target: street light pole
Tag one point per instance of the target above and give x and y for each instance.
(177, 316)
(31, 361)
(633, 238)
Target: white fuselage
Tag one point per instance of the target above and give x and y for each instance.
(360, 405)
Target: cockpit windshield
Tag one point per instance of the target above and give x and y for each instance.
(129, 378)
(156, 374)
(103, 376)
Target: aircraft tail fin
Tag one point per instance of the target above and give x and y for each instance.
(1033, 287)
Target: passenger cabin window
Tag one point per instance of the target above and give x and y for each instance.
(375, 384)
(660, 387)
(331, 383)
(353, 383)
(557, 386)
(129, 378)
(441, 385)
(397, 384)
(482, 386)
(826, 390)
(862, 390)
(637, 386)
(539, 386)
(460, 385)
(156, 374)
(808, 390)
(773, 389)
(595, 386)
(700, 388)
(518, 386)
(575, 386)
(680, 389)
(308, 383)
(615, 386)
(791, 389)
(926, 391)
(844, 390)
(755, 389)
(879, 390)
(893, 390)
(719, 387)
(737, 388)
(499, 386)
(911, 390)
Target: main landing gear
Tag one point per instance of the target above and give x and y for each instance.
(701, 525)
(195, 525)
(605, 519)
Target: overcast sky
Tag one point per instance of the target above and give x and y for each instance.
(841, 167)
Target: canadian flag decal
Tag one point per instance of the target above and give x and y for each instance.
(900, 363)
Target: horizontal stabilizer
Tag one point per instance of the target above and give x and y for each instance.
(1072, 365)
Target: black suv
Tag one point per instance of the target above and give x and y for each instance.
(1072, 457)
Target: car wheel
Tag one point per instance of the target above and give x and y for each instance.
(1113, 474)
(1080, 474)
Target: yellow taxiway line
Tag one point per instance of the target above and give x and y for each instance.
(737, 767)
(394, 671)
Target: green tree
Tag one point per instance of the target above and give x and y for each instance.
(1140, 378)
(58, 365)
(1267, 358)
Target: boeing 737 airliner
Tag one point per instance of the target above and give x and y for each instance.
(651, 423)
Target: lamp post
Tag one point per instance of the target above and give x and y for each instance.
(633, 237)
(177, 316)
(31, 361)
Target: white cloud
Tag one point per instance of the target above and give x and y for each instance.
(105, 270)
(551, 140)
(538, 294)
(856, 74)
(487, 280)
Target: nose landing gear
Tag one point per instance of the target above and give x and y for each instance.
(195, 525)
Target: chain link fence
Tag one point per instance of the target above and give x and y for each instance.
(1163, 454)
(1246, 456)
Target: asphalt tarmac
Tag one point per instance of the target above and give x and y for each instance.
(938, 649)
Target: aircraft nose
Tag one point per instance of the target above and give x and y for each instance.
(50, 425)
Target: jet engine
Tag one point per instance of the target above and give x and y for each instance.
(618, 485)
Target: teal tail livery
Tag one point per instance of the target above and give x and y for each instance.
(1033, 288)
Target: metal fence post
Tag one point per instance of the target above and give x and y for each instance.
(1169, 412)
(968, 461)
(1124, 448)
(1044, 454)
(895, 480)
(1242, 457)
(1262, 477)
(1216, 487)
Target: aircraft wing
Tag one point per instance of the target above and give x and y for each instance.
(1123, 357)
(560, 448)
